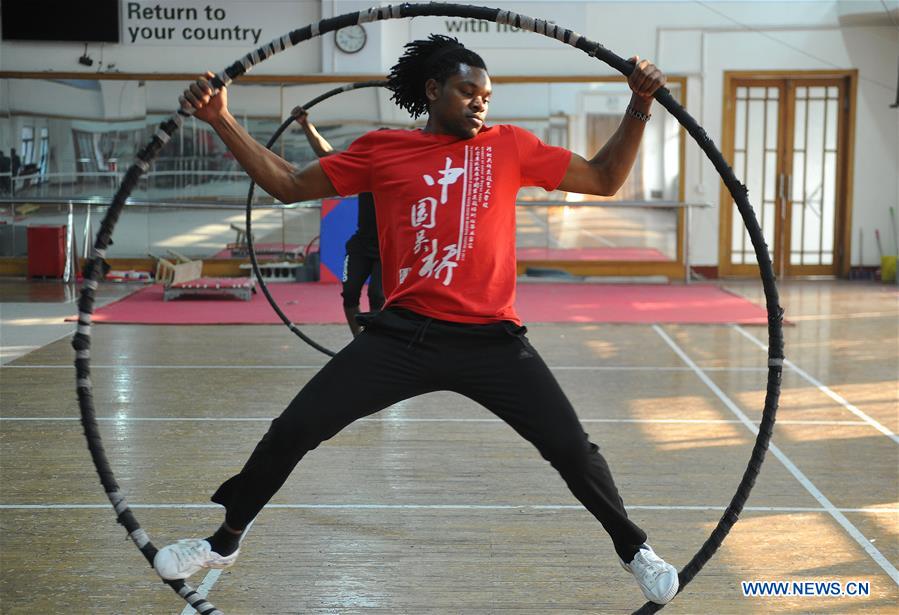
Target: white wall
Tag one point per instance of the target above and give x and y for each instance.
(872, 50)
(700, 40)
(268, 19)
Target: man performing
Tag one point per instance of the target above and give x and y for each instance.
(445, 198)
(362, 258)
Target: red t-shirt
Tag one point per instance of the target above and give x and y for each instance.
(446, 213)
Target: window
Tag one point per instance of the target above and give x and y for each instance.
(27, 150)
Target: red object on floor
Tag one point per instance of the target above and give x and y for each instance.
(46, 251)
(313, 303)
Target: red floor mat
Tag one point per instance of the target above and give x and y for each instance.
(538, 302)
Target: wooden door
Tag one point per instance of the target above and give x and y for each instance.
(788, 139)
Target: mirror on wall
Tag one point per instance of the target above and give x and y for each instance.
(75, 138)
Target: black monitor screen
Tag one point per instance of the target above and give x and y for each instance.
(60, 20)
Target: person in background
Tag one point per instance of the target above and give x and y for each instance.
(363, 259)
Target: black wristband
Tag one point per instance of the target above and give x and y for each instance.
(643, 117)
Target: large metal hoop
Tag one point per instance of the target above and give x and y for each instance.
(96, 267)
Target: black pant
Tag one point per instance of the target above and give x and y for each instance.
(362, 260)
(400, 355)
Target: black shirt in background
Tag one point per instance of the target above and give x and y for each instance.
(365, 239)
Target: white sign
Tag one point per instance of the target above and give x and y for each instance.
(220, 23)
(480, 34)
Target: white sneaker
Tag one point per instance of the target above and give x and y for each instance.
(657, 578)
(186, 557)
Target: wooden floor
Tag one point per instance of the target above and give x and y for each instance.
(432, 506)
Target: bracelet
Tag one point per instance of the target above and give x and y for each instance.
(643, 117)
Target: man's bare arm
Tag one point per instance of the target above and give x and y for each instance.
(607, 171)
(273, 174)
(319, 144)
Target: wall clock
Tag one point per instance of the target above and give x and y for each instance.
(350, 39)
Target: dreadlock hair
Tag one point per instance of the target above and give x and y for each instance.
(437, 58)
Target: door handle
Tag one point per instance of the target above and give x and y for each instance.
(783, 189)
